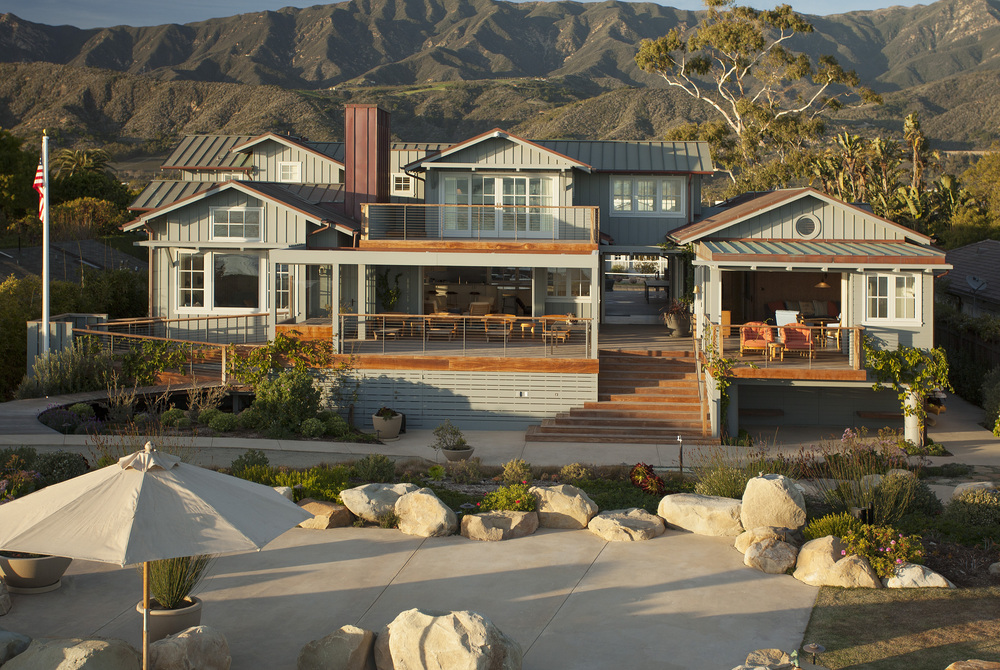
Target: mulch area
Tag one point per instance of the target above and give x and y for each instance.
(964, 566)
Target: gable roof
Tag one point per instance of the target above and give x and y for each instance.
(496, 133)
(637, 157)
(278, 193)
(324, 150)
(208, 152)
(747, 208)
(824, 253)
(981, 260)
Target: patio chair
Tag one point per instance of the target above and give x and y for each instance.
(498, 326)
(557, 330)
(441, 325)
(479, 308)
(755, 336)
(798, 338)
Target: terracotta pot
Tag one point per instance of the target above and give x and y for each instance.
(458, 454)
(387, 429)
(33, 575)
(170, 622)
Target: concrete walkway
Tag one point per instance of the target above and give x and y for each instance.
(570, 599)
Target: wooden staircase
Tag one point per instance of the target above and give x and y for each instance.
(645, 397)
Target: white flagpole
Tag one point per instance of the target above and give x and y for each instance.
(45, 244)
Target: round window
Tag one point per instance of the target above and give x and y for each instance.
(806, 227)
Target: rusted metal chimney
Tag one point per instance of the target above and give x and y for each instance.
(366, 157)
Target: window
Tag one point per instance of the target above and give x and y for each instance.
(647, 196)
(807, 227)
(892, 298)
(290, 172)
(191, 280)
(503, 206)
(240, 223)
(233, 284)
(568, 282)
(402, 184)
(282, 286)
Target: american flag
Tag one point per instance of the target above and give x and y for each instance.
(40, 187)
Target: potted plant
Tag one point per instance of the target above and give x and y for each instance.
(677, 317)
(172, 608)
(450, 440)
(388, 295)
(32, 573)
(387, 423)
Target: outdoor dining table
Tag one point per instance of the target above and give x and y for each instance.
(656, 285)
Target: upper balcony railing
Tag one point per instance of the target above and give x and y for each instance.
(480, 222)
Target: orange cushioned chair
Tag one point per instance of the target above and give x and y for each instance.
(798, 338)
(755, 336)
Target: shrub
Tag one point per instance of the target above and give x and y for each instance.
(206, 415)
(991, 396)
(976, 507)
(469, 471)
(435, 473)
(82, 410)
(312, 428)
(261, 474)
(837, 525)
(58, 466)
(62, 420)
(448, 436)
(375, 468)
(388, 519)
(884, 547)
(172, 417)
(249, 458)
(249, 419)
(319, 483)
(515, 471)
(513, 498)
(912, 495)
(644, 477)
(223, 422)
(724, 481)
(17, 458)
(574, 472)
(725, 470)
(82, 366)
(173, 579)
(183, 422)
(286, 400)
(335, 426)
(617, 494)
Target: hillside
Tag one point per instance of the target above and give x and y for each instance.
(448, 68)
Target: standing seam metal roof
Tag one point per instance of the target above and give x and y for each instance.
(209, 151)
(850, 251)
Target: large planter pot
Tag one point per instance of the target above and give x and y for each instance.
(458, 454)
(170, 622)
(387, 429)
(679, 325)
(33, 575)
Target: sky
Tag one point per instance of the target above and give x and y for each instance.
(104, 13)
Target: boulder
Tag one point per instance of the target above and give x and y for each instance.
(816, 560)
(286, 491)
(325, 514)
(870, 481)
(495, 526)
(995, 569)
(371, 501)
(773, 500)
(626, 525)
(76, 654)
(913, 576)
(973, 486)
(12, 644)
(200, 647)
(423, 514)
(419, 640)
(563, 506)
(748, 537)
(974, 664)
(5, 602)
(771, 556)
(900, 472)
(854, 572)
(348, 648)
(768, 658)
(703, 515)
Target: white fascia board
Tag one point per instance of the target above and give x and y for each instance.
(434, 258)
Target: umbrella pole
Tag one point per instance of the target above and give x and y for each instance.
(145, 615)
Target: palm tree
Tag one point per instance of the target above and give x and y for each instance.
(72, 161)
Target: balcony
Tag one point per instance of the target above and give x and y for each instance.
(479, 223)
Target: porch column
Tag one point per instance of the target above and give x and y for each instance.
(911, 422)
(362, 298)
(732, 418)
(595, 306)
(272, 297)
(335, 305)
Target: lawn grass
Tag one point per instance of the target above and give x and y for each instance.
(905, 629)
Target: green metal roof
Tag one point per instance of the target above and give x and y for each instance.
(209, 152)
(616, 156)
(849, 253)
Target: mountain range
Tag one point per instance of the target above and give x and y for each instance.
(446, 68)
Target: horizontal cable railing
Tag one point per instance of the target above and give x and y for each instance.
(204, 360)
(480, 222)
(550, 336)
(797, 344)
(230, 329)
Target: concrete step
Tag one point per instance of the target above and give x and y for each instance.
(540, 434)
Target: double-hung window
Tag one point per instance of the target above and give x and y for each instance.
(892, 297)
(191, 280)
(647, 196)
(290, 172)
(236, 223)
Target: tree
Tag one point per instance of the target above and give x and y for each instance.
(89, 184)
(68, 162)
(767, 97)
(17, 170)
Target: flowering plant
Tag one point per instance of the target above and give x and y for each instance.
(513, 498)
(643, 476)
(385, 412)
(884, 547)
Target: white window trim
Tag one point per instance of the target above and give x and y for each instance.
(818, 227)
(499, 231)
(263, 297)
(568, 286)
(659, 197)
(891, 319)
(409, 191)
(260, 225)
(298, 169)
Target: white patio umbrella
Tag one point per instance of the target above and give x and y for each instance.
(147, 507)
